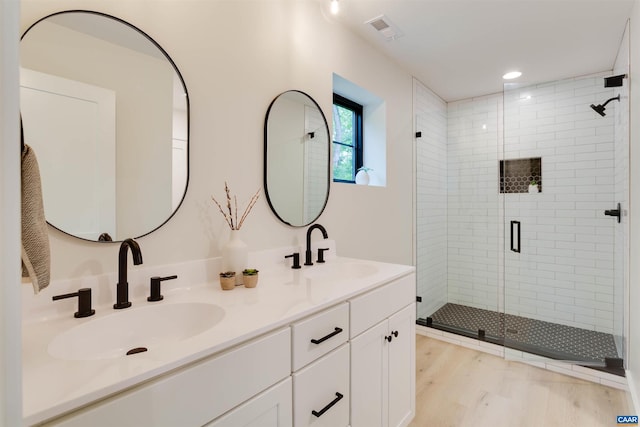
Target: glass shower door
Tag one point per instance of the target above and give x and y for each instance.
(457, 218)
(562, 266)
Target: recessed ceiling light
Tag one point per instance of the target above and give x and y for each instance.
(512, 75)
(335, 7)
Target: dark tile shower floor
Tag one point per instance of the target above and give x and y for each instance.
(535, 336)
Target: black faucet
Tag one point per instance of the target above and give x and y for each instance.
(122, 288)
(307, 254)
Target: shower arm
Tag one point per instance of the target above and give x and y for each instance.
(617, 98)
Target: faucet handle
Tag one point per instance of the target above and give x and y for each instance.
(296, 260)
(155, 287)
(84, 302)
(321, 252)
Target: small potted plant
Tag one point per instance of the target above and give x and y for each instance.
(533, 187)
(250, 277)
(228, 280)
(362, 177)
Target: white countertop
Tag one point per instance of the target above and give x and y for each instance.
(53, 386)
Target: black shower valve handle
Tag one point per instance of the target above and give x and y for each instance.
(615, 212)
(155, 294)
(84, 302)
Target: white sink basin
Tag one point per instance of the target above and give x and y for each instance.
(341, 270)
(147, 328)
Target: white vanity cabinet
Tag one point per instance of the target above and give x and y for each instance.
(383, 356)
(198, 393)
(346, 362)
(321, 369)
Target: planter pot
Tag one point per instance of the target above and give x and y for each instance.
(533, 188)
(250, 281)
(227, 283)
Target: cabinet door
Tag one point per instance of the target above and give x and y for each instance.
(369, 380)
(271, 408)
(402, 379)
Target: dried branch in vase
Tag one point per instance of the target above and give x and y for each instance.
(230, 217)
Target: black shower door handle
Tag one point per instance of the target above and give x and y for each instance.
(515, 236)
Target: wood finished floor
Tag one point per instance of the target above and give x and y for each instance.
(460, 387)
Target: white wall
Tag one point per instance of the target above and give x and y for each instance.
(10, 319)
(233, 70)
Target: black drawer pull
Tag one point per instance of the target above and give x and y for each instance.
(339, 396)
(335, 332)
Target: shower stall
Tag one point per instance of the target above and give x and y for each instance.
(521, 232)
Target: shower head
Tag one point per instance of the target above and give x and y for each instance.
(600, 108)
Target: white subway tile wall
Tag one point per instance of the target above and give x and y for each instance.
(564, 272)
(474, 223)
(316, 157)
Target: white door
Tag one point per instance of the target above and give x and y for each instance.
(72, 123)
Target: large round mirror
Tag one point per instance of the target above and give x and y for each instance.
(296, 158)
(107, 113)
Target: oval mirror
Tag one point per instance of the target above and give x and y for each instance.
(106, 111)
(296, 158)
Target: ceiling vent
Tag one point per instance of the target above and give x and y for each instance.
(385, 27)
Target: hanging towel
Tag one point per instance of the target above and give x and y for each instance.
(36, 258)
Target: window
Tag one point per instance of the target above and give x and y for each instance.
(347, 139)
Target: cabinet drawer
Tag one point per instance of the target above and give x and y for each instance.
(198, 393)
(370, 308)
(321, 391)
(319, 334)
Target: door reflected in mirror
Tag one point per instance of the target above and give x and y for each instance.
(296, 152)
(107, 113)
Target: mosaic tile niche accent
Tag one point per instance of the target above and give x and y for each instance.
(516, 174)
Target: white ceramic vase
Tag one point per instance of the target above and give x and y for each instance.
(362, 178)
(234, 255)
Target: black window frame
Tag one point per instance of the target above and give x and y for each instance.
(357, 109)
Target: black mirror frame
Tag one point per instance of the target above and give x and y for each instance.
(186, 93)
(266, 143)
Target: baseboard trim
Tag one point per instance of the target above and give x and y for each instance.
(633, 392)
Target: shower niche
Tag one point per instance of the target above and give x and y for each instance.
(517, 174)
